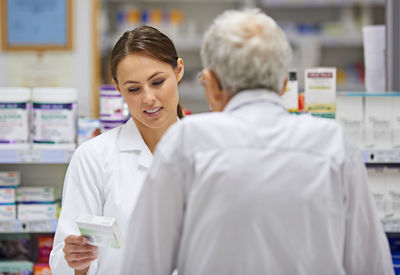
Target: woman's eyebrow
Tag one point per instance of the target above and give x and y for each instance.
(135, 82)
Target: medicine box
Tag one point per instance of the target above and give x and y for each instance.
(101, 231)
(378, 122)
(7, 195)
(350, 116)
(38, 194)
(10, 178)
(16, 267)
(7, 212)
(396, 122)
(320, 90)
(44, 211)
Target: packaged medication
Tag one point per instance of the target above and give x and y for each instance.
(54, 120)
(39, 194)
(112, 104)
(377, 184)
(10, 178)
(396, 122)
(378, 122)
(113, 108)
(14, 126)
(392, 176)
(350, 116)
(320, 90)
(101, 231)
(291, 96)
(35, 211)
(8, 212)
(7, 195)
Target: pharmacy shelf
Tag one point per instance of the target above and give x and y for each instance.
(34, 226)
(325, 40)
(374, 156)
(318, 3)
(49, 156)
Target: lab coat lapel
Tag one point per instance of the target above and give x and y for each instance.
(130, 139)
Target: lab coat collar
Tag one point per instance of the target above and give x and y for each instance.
(130, 139)
(253, 96)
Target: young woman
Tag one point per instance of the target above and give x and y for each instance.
(105, 174)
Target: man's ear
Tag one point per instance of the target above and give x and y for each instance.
(284, 86)
(180, 69)
(216, 96)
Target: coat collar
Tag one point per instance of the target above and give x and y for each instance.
(253, 96)
(130, 139)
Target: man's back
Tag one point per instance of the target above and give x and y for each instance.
(268, 192)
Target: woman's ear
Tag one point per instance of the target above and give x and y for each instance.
(180, 69)
(116, 86)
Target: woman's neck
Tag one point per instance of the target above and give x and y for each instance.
(152, 136)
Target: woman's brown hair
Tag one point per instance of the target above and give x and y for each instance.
(147, 40)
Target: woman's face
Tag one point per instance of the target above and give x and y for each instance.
(150, 88)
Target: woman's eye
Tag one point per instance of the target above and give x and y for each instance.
(132, 90)
(158, 82)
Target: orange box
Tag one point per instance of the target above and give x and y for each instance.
(41, 269)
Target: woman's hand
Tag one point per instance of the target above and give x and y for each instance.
(78, 253)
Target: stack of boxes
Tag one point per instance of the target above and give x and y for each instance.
(370, 121)
(38, 203)
(8, 183)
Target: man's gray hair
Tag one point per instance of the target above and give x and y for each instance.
(246, 50)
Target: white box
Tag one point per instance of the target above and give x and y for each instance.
(290, 97)
(7, 212)
(38, 194)
(45, 211)
(7, 195)
(10, 178)
(320, 90)
(396, 122)
(350, 115)
(101, 231)
(392, 179)
(378, 189)
(378, 122)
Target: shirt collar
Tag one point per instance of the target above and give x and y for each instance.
(130, 139)
(253, 96)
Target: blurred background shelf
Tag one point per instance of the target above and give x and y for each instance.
(319, 3)
(45, 156)
(34, 226)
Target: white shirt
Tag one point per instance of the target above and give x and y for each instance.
(256, 190)
(104, 178)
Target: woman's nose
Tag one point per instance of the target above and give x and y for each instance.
(149, 97)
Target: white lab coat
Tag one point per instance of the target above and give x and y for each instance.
(256, 190)
(104, 178)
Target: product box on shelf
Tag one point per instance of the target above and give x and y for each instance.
(7, 195)
(41, 269)
(16, 267)
(290, 97)
(350, 116)
(378, 122)
(39, 194)
(35, 211)
(8, 212)
(396, 122)
(320, 90)
(10, 178)
(44, 248)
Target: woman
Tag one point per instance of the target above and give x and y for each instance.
(105, 174)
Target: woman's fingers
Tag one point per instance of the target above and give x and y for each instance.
(78, 253)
